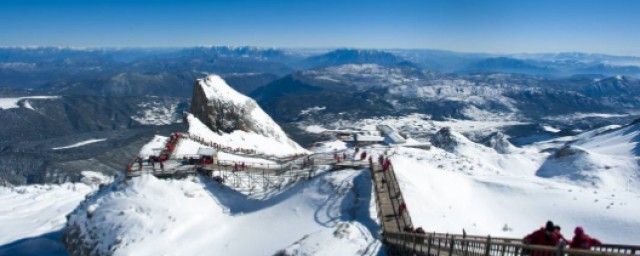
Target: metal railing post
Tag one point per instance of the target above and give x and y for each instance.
(487, 250)
(560, 250)
(452, 241)
(439, 241)
(429, 243)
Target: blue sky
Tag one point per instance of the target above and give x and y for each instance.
(471, 26)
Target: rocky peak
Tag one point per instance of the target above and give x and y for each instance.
(224, 110)
(497, 141)
(445, 139)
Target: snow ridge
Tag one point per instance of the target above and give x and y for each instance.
(150, 216)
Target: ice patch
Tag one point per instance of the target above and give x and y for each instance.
(550, 129)
(80, 144)
(8, 103)
(315, 129)
(312, 110)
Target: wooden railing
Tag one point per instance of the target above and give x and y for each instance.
(404, 219)
(183, 165)
(243, 151)
(436, 244)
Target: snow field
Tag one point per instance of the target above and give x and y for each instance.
(34, 210)
(153, 147)
(149, 216)
(502, 196)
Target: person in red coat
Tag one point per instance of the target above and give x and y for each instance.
(402, 208)
(560, 236)
(543, 236)
(386, 165)
(583, 241)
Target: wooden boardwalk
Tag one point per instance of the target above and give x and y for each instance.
(387, 209)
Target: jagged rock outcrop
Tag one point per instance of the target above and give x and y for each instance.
(219, 116)
(444, 139)
(224, 110)
(498, 141)
(568, 151)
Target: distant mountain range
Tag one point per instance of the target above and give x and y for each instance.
(35, 67)
(145, 90)
(352, 56)
(368, 90)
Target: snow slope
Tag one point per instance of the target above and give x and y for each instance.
(153, 147)
(457, 184)
(348, 238)
(246, 140)
(605, 158)
(196, 216)
(464, 185)
(36, 210)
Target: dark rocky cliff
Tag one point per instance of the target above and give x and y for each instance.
(218, 115)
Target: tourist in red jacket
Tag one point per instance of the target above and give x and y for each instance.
(543, 236)
(402, 208)
(582, 240)
(560, 236)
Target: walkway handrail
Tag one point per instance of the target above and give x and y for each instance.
(301, 162)
(231, 150)
(436, 244)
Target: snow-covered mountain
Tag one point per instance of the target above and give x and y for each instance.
(603, 159)
(352, 56)
(224, 116)
(618, 86)
(509, 65)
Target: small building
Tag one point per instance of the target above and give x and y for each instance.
(208, 155)
(357, 136)
(207, 151)
(368, 138)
